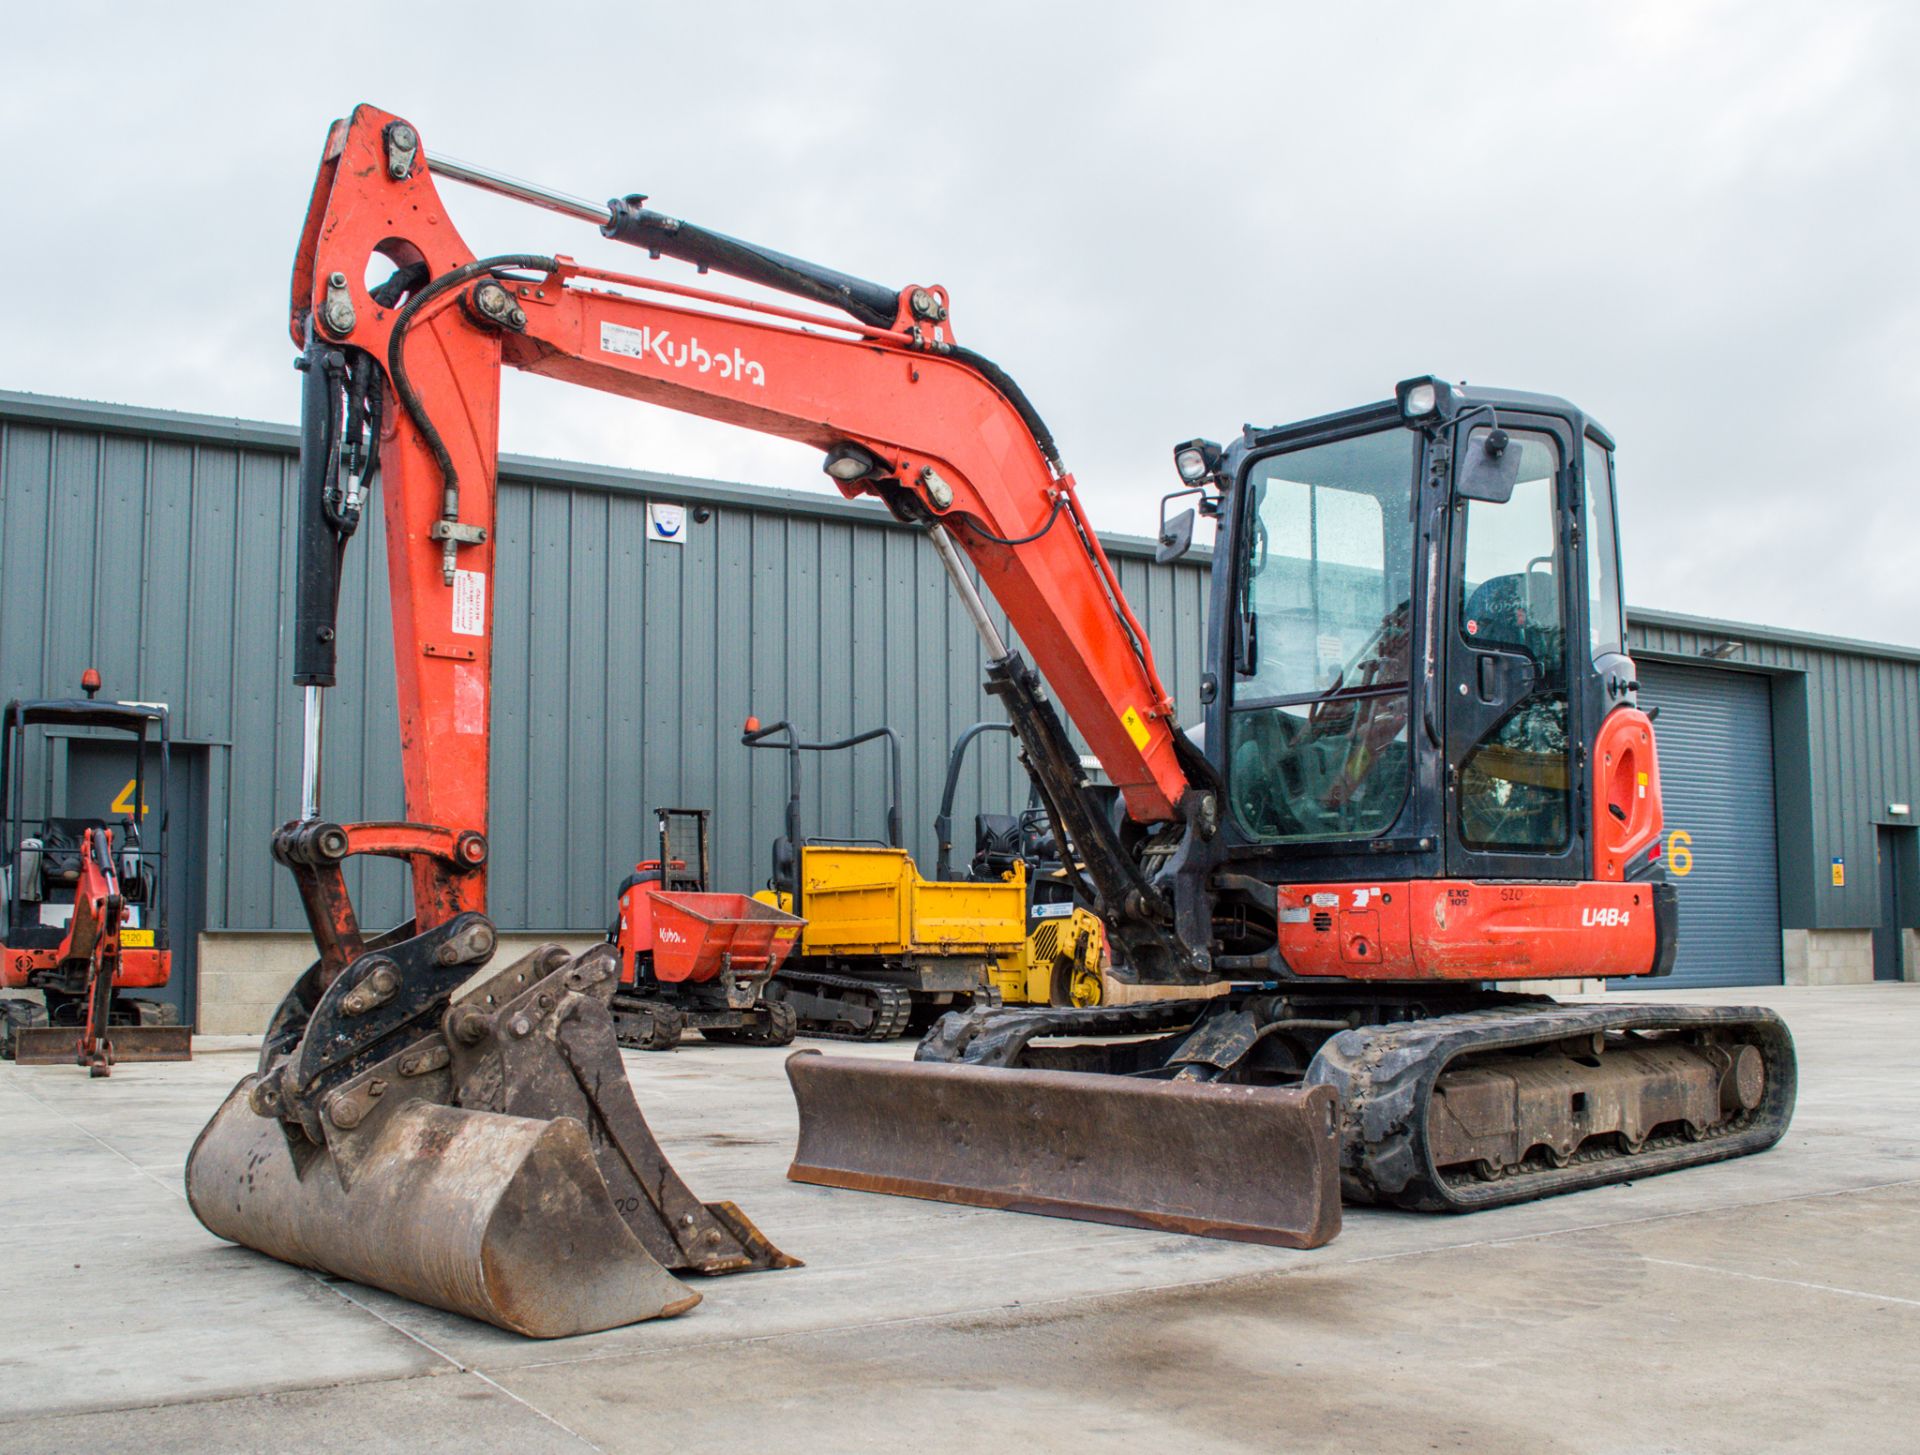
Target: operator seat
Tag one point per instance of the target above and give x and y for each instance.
(60, 848)
(1498, 611)
(996, 844)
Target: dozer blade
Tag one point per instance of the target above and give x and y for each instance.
(498, 1166)
(46, 1046)
(1256, 1164)
(501, 1218)
(60, 1045)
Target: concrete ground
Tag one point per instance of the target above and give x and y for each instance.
(1769, 1303)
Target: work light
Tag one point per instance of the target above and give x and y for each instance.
(847, 463)
(1426, 398)
(1197, 461)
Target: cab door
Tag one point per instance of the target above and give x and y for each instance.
(1511, 735)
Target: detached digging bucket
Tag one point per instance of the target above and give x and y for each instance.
(501, 1218)
(539, 1203)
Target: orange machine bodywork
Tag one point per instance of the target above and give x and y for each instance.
(1627, 809)
(93, 933)
(694, 935)
(820, 380)
(1454, 929)
(137, 970)
(91, 950)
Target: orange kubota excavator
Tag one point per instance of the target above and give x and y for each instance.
(1422, 771)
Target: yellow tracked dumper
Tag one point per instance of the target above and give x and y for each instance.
(1062, 958)
(884, 950)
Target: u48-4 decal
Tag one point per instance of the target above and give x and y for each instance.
(1608, 918)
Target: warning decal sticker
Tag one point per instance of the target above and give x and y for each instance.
(470, 603)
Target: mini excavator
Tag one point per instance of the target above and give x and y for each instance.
(83, 914)
(1422, 770)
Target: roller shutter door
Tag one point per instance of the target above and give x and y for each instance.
(1715, 739)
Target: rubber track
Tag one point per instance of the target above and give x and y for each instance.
(625, 1006)
(1385, 1076)
(785, 1025)
(894, 1011)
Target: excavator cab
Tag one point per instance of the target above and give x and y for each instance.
(1423, 679)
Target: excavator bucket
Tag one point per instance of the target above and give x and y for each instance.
(504, 1219)
(1256, 1164)
(498, 1167)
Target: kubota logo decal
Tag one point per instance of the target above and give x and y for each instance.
(672, 937)
(659, 344)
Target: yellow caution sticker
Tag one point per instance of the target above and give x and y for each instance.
(1643, 784)
(136, 939)
(1136, 727)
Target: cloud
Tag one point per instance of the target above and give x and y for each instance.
(1165, 221)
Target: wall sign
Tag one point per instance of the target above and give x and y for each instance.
(666, 523)
(1839, 873)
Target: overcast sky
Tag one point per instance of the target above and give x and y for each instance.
(1699, 221)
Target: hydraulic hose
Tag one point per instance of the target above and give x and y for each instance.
(397, 362)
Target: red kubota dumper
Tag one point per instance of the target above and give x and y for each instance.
(691, 959)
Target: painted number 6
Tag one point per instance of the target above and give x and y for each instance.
(1680, 853)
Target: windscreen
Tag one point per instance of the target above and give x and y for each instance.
(1318, 736)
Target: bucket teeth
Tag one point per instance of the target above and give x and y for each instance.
(498, 1167)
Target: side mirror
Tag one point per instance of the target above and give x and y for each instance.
(1176, 536)
(1489, 468)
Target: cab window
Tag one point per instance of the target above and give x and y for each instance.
(1606, 632)
(1318, 744)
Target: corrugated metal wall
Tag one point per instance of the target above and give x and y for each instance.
(1846, 731)
(623, 668)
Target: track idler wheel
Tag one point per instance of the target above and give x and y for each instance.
(647, 1025)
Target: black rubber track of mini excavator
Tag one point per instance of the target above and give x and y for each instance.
(893, 1006)
(1385, 1076)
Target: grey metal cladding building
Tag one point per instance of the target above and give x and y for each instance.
(623, 670)
(625, 667)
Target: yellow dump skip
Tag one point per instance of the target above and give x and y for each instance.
(861, 900)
